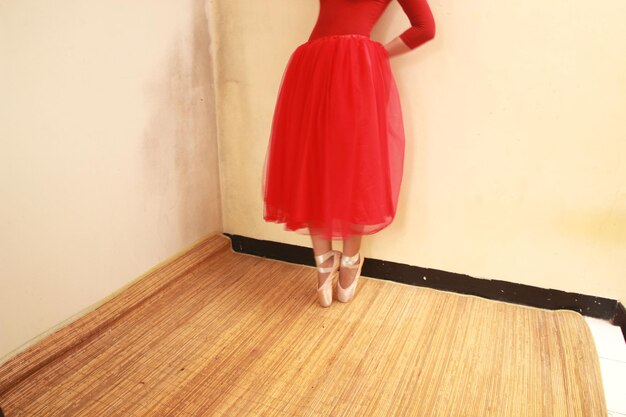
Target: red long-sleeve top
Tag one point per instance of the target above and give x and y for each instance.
(359, 16)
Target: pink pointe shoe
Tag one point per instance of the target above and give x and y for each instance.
(325, 291)
(345, 294)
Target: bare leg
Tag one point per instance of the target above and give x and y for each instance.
(321, 246)
(351, 246)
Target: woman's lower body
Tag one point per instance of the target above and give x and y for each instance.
(334, 162)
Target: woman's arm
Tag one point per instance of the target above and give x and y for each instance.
(422, 27)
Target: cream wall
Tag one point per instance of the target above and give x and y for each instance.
(109, 156)
(515, 136)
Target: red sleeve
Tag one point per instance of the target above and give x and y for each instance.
(422, 23)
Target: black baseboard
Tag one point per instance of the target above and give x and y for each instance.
(620, 318)
(587, 305)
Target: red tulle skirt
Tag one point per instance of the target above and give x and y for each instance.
(335, 157)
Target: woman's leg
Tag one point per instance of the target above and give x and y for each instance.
(351, 246)
(321, 246)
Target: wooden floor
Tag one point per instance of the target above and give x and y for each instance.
(218, 333)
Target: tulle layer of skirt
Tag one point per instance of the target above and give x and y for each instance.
(334, 161)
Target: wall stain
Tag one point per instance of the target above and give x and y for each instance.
(602, 227)
(180, 139)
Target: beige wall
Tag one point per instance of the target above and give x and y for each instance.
(515, 121)
(109, 156)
